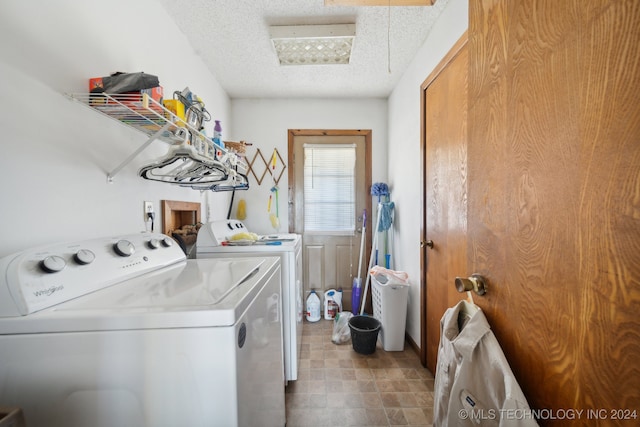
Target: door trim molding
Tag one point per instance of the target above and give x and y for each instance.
(292, 133)
(453, 52)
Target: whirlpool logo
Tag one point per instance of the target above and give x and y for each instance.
(49, 291)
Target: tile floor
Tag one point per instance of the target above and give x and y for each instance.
(338, 387)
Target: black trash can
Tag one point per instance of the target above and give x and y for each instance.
(364, 333)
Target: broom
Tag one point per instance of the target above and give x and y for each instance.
(378, 189)
(371, 259)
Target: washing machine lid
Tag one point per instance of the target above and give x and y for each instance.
(194, 293)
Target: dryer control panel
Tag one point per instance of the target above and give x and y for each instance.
(42, 277)
(216, 232)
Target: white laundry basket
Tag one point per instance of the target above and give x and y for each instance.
(390, 308)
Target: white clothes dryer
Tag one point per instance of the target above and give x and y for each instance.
(214, 241)
(123, 331)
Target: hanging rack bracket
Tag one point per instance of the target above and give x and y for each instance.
(126, 161)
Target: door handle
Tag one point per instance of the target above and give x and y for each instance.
(475, 283)
(428, 243)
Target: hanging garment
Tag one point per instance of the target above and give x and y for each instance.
(474, 385)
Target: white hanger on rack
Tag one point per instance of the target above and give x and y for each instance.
(183, 165)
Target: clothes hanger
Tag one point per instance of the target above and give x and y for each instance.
(467, 309)
(234, 181)
(183, 165)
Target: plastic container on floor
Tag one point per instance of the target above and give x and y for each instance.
(390, 307)
(313, 307)
(364, 333)
(332, 304)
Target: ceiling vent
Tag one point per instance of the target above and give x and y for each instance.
(313, 44)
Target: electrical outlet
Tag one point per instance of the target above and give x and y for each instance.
(148, 208)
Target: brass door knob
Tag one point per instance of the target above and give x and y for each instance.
(428, 243)
(475, 283)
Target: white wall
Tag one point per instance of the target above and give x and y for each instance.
(404, 158)
(56, 152)
(265, 124)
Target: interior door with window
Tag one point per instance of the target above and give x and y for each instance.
(329, 182)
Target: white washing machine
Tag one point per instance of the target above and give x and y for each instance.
(213, 242)
(123, 331)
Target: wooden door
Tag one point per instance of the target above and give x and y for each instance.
(444, 100)
(331, 258)
(554, 198)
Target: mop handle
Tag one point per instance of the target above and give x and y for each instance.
(364, 228)
(364, 218)
(366, 283)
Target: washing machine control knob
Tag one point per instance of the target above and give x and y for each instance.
(124, 248)
(153, 244)
(53, 264)
(84, 257)
(167, 242)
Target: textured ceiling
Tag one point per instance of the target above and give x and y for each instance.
(232, 37)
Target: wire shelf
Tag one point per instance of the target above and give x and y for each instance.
(211, 167)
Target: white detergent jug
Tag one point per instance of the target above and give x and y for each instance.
(313, 307)
(331, 304)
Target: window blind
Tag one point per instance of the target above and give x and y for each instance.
(329, 188)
